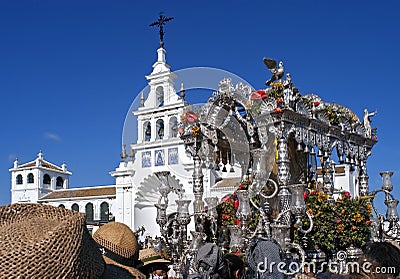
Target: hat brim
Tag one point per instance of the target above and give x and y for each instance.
(131, 270)
(156, 261)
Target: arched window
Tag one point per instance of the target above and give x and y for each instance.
(173, 127)
(75, 207)
(19, 179)
(147, 131)
(160, 129)
(59, 182)
(89, 211)
(46, 179)
(104, 211)
(61, 206)
(30, 178)
(160, 96)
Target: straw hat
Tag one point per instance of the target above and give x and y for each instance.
(43, 241)
(150, 255)
(119, 247)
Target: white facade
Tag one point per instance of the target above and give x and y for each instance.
(33, 180)
(158, 149)
(345, 178)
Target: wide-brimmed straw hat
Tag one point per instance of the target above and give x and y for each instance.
(43, 241)
(119, 246)
(151, 256)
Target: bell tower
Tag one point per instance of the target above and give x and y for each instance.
(33, 180)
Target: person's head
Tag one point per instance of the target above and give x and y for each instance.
(153, 263)
(384, 255)
(43, 241)
(234, 267)
(158, 270)
(119, 246)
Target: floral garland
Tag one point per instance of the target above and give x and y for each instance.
(230, 204)
(337, 226)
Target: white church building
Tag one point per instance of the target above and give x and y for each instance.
(131, 200)
(158, 148)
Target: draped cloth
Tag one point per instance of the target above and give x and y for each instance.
(263, 258)
(209, 262)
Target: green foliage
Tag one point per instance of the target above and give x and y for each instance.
(337, 226)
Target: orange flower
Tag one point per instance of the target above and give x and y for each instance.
(279, 100)
(357, 217)
(367, 222)
(343, 212)
(224, 216)
(353, 228)
(278, 110)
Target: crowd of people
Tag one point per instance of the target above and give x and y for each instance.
(42, 241)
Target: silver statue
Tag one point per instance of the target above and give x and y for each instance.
(289, 92)
(367, 122)
(277, 72)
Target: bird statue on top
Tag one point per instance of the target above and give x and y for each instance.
(276, 70)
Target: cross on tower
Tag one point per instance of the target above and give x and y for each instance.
(160, 23)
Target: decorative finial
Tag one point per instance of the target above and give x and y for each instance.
(142, 99)
(160, 23)
(131, 154)
(40, 155)
(64, 166)
(16, 163)
(182, 93)
(123, 154)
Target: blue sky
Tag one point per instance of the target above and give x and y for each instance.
(69, 70)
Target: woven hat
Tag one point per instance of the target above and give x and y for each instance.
(150, 256)
(43, 241)
(119, 246)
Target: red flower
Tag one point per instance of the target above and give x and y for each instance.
(305, 195)
(346, 194)
(279, 100)
(259, 94)
(367, 222)
(191, 116)
(237, 252)
(353, 228)
(278, 110)
(224, 216)
(240, 187)
(338, 221)
(226, 199)
(238, 222)
(313, 192)
(236, 204)
(375, 137)
(316, 104)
